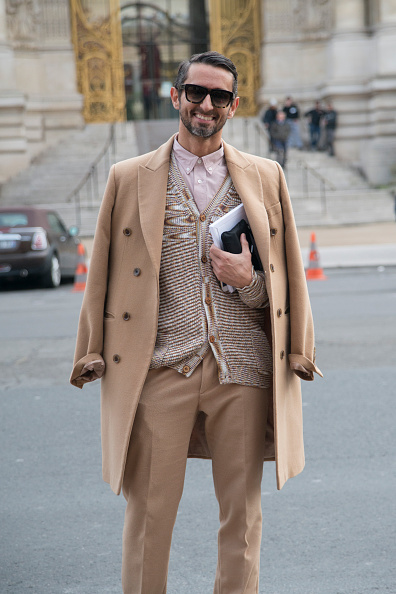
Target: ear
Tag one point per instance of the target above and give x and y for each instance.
(175, 98)
(233, 108)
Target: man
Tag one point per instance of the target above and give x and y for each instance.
(268, 119)
(280, 132)
(188, 369)
(330, 122)
(292, 117)
(314, 116)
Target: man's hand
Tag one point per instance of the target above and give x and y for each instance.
(233, 269)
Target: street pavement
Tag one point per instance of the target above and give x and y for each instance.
(331, 530)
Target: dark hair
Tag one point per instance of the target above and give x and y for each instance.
(212, 59)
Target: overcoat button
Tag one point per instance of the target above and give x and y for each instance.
(279, 313)
(126, 316)
(116, 358)
(186, 369)
(272, 268)
(282, 354)
(274, 232)
(127, 231)
(136, 271)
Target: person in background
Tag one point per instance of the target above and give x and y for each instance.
(314, 116)
(330, 123)
(293, 119)
(268, 119)
(280, 132)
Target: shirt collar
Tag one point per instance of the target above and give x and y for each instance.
(188, 160)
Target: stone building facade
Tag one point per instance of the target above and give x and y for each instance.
(338, 50)
(343, 51)
(38, 93)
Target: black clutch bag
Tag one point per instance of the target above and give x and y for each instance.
(232, 242)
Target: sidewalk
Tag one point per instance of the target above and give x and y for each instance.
(346, 246)
(352, 246)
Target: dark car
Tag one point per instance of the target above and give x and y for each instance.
(35, 242)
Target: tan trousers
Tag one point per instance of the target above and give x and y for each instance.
(153, 483)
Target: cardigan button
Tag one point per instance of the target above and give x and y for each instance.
(208, 300)
(212, 339)
(282, 354)
(136, 271)
(279, 313)
(202, 217)
(186, 369)
(116, 358)
(272, 268)
(204, 259)
(127, 231)
(126, 316)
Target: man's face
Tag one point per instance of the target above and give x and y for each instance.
(203, 119)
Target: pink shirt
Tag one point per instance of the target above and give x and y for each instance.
(202, 175)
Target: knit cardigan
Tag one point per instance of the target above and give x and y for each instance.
(195, 314)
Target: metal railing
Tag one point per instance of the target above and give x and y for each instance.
(251, 127)
(89, 184)
(307, 171)
(255, 138)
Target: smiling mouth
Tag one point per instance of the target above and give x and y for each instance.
(204, 118)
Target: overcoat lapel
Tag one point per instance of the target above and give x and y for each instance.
(248, 184)
(152, 184)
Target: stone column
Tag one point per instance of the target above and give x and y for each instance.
(45, 71)
(349, 15)
(379, 154)
(13, 146)
(294, 50)
(350, 64)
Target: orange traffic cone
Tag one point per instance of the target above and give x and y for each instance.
(80, 278)
(314, 271)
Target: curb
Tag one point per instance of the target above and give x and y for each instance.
(355, 256)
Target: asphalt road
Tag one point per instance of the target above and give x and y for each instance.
(331, 530)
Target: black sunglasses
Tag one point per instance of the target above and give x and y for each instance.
(218, 97)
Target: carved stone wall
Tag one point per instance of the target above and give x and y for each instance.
(297, 19)
(39, 98)
(55, 20)
(23, 20)
(35, 23)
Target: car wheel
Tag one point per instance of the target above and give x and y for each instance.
(52, 277)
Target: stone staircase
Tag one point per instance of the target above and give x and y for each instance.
(324, 191)
(55, 172)
(51, 179)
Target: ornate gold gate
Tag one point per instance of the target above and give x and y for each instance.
(235, 31)
(97, 40)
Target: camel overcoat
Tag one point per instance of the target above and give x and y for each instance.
(118, 319)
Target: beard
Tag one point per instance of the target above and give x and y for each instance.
(203, 131)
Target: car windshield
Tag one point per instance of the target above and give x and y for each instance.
(13, 219)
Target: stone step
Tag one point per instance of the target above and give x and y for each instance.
(54, 175)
